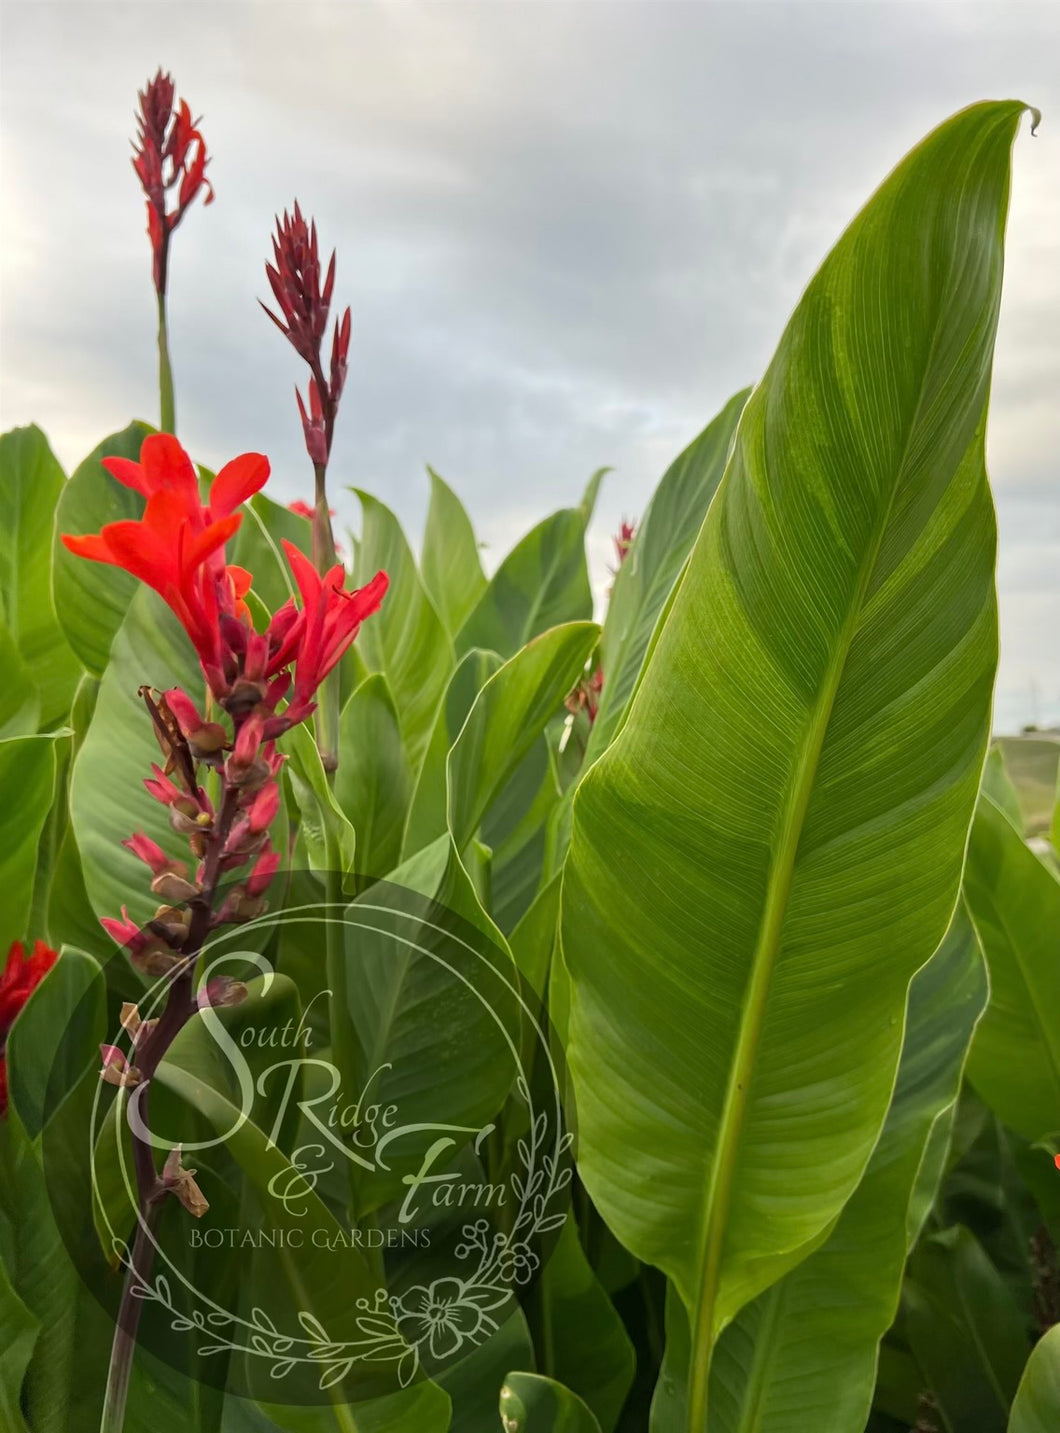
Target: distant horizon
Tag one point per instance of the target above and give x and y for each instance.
(568, 232)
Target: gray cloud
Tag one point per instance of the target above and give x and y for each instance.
(568, 233)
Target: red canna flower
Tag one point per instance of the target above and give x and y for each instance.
(316, 637)
(177, 547)
(168, 150)
(21, 976)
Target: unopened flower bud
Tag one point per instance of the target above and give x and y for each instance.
(116, 1069)
(181, 1182)
(138, 1029)
(222, 991)
(210, 739)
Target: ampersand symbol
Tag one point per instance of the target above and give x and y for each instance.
(299, 1181)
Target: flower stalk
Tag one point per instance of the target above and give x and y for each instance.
(304, 300)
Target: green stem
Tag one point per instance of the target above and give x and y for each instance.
(168, 421)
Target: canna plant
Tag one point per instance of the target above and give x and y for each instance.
(743, 842)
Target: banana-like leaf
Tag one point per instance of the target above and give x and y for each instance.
(660, 547)
(997, 784)
(373, 784)
(804, 1352)
(967, 1334)
(91, 598)
(18, 1333)
(427, 814)
(587, 1348)
(30, 483)
(330, 839)
(20, 697)
(405, 639)
(1015, 902)
(27, 779)
(508, 716)
(531, 1403)
(1036, 1407)
(451, 565)
(543, 581)
(773, 843)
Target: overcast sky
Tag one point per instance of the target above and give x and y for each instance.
(568, 233)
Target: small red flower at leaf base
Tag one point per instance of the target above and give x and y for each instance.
(1056, 1160)
(303, 509)
(623, 540)
(21, 976)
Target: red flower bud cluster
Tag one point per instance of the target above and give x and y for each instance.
(305, 303)
(169, 150)
(585, 697)
(20, 978)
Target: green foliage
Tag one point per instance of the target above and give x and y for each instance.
(1037, 1404)
(1015, 902)
(31, 482)
(533, 1404)
(90, 598)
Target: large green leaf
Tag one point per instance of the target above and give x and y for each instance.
(427, 814)
(1036, 1407)
(20, 704)
(27, 779)
(430, 1003)
(64, 1016)
(405, 639)
(452, 568)
(1015, 903)
(531, 1403)
(373, 783)
(330, 839)
(805, 1350)
(966, 1332)
(509, 714)
(586, 1347)
(31, 481)
(660, 547)
(543, 581)
(18, 1333)
(773, 843)
(91, 598)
